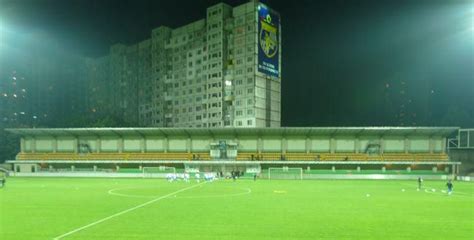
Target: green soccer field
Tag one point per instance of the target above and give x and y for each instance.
(67, 208)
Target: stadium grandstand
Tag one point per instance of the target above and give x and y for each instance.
(354, 151)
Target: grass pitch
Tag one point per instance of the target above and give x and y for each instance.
(67, 208)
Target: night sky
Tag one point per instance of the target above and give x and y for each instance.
(345, 63)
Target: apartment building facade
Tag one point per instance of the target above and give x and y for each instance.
(221, 71)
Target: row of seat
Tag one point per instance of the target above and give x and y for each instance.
(240, 156)
(113, 156)
(344, 157)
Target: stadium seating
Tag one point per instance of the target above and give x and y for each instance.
(415, 157)
(113, 156)
(240, 157)
(248, 156)
(343, 157)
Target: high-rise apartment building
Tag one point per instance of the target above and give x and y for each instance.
(220, 71)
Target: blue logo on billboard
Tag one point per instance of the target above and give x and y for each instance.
(268, 29)
(268, 37)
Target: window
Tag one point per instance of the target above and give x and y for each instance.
(238, 113)
(250, 90)
(249, 27)
(239, 31)
(249, 122)
(239, 123)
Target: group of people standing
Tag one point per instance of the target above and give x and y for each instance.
(208, 176)
(449, 185)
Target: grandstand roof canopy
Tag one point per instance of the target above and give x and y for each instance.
(283, 131)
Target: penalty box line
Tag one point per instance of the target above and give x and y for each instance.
(124, 212)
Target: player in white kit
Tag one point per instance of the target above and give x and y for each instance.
(198, 177)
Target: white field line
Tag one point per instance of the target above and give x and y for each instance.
(247, 191)
(113, 192)
(124, 212)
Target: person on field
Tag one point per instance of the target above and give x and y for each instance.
(450, 187)
(420, 182)
(198, 177)
(186, 177)
(3, 182)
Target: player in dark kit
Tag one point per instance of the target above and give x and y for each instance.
(3, 182)
(450, 187)
(420, 181)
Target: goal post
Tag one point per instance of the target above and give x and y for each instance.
(285, 173)
(157, 172)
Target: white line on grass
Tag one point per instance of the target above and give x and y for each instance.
(124, 211)
(247, 191)
(113, 192)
